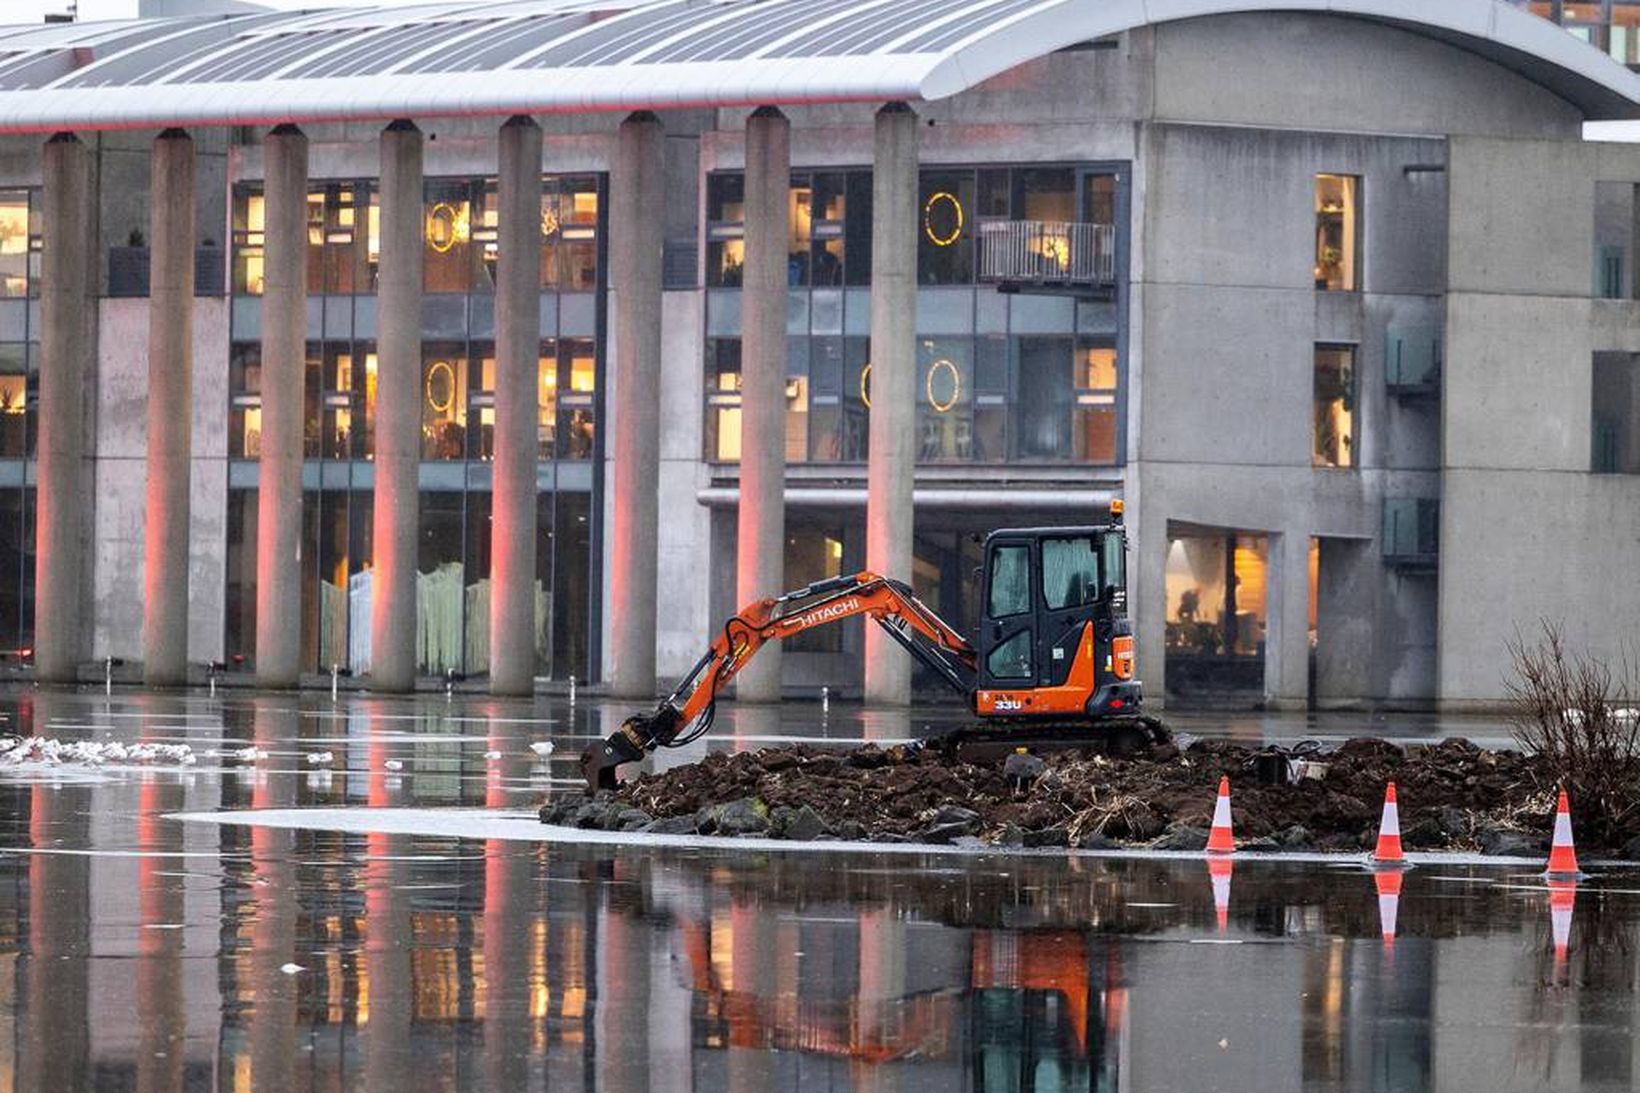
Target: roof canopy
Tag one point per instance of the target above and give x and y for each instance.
(546, 56)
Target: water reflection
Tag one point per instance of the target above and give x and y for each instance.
(178, 956)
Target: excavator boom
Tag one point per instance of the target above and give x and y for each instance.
(687, 713)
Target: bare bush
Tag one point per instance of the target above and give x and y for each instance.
(1582, 716)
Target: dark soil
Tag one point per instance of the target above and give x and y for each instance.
(1452, 795)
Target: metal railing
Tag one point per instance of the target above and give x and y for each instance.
(1047, 252)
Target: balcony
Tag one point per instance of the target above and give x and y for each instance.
(1412, 533)
(1048, 256)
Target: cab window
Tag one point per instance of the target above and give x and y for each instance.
(1115, 552)
(1010, 591)
(1011, 659)
(1070, 573)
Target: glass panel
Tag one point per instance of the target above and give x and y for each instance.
(1114, 566)
(14, 244)
(333, 579)
(945, 241)
(577, 381)
(572, 577)
(814, 554)
(723, 400)
(857, 230)
(1012, 659)
(17, 399)
(799, 230)
(1045, 193)
(249, 237)
(476, 595)
(578, 234)
(1096, 420)
(1042, 412)
(994, 194)
(945, 421)
(1010, 591)
(1334, 406)
(239, 636)
(1337, 233)
(448, 255)
(1616, 414)
(440, 584)
(1070, 572)
(797, 400)
(828, 230)
(443, 400)
(547, 369)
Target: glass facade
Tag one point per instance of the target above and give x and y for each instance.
(1216, 613)
(1001, 378)
(457, 387)
(1609, 25)
(19, 415)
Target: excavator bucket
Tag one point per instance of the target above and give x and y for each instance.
(637, 736)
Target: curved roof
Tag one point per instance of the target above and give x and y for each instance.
(544, 56)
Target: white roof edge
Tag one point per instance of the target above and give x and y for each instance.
(1480, 23)
(636, 87)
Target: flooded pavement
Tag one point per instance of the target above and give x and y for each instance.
(139, 951)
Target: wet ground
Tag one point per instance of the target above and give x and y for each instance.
(453, 949)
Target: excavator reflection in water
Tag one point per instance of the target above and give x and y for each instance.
(1052, 660)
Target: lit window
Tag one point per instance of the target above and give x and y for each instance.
(1337, 233)
(1334, 406)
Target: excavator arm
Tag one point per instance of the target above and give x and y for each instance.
(687, 713)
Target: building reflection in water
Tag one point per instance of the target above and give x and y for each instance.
(390, 962)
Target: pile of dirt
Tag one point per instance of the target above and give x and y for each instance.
(1453, 795)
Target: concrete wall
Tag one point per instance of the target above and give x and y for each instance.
(1230, 316)
(1527, 533)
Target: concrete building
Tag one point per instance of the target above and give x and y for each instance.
(1332, 293)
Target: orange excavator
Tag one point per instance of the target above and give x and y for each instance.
(1052, 658)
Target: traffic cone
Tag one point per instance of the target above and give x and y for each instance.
(1220, 840)
(1562, 901)
(1388, 883)
(1388, 852)
(1219, 870)
(1562, 856)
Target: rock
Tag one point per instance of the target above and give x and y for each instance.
(969, 842)
(889, 837)
(1631, 850)
(1022, 768)
(1260, 846)
(805, 825)
(1507, 842)
(1181, 837)
(1048, 836)
(588, 815)
(671, 825)
(1296, 837)
(631, 819)
(950, 823)
(851, 831)
(1011, 835)
(1094, 840)
(869, 757)
(1454, 822)
(1423, 832)
(1163, 753)
(747, 816)
(559, 810)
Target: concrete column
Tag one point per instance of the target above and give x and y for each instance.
(517, 411)
(1287, 622)
(170, 411)
(398, 411)
(284, 351)
(67, 362)
(761, 540)
(890, 466)
(636, 225)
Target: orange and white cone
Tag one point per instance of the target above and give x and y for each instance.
(1219, 870)
(1562, 901)
(1220, 840)
(1562, 855)
(1388, 883)
(1388, 852)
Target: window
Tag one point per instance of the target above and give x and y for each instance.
(1095, 432)
(725, 230)
(1337, 233)
(1615, 226)
(15, 244)
(1615, 431)
(1334, 406)
(1115, 562)
(1070, 573)
(19, 395)
(945, 240)
(1010, 592)
(1011, 659)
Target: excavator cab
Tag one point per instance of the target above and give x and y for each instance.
(1054, 640)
